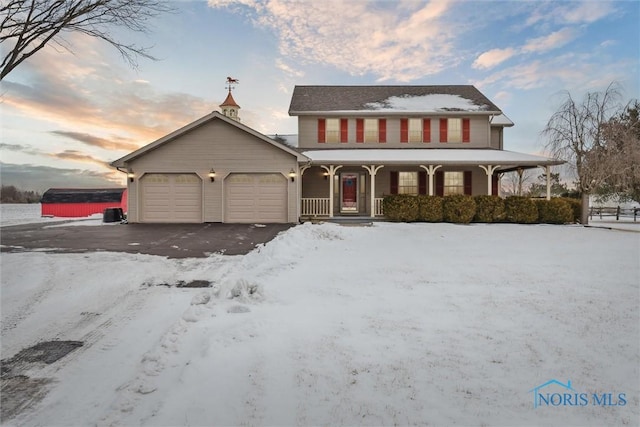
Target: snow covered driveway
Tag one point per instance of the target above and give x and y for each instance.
(331, 325)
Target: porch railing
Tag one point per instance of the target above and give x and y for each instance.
(316, 206)
(378, 203)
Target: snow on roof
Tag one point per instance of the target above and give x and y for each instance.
(501, 120)
(426, 103)
(428, 156)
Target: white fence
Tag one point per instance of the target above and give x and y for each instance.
(316, 206)
(379, 207)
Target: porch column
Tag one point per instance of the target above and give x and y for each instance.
(547, 171)
(489, 169)
(331, 170)
(373, 170)
(431, 171)
(301, 171)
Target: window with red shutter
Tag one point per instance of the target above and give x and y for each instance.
(422, 182)
(393, 178)
(439, 183)
(466, 130)
(443, 130)
(322, 130)
(467, 183)
(404, 130)
(359, 130)
(344, 130)
(426, 130)
(382, 130)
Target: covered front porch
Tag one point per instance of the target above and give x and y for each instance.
(353, 183)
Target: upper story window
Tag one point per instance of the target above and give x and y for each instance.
(455, 130)
(415, 130)
(333, 130)
(371, 130)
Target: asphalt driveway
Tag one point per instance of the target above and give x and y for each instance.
(171, 240)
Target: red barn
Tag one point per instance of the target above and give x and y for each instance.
(79, 202)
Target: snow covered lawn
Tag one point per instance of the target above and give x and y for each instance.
(401, 324)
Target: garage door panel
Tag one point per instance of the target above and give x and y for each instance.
(171, 198)
(256, 198)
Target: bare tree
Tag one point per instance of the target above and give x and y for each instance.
(514, 182)
(576, 133)
(29, 25)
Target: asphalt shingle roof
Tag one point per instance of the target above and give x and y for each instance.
(312, 99)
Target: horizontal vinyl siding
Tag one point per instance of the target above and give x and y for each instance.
(224, 148)
(308, 134)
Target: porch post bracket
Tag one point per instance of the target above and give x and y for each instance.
(331, 170)
(303, 169)
(431, 171)
(489, 169)
(547, 172)
(373, 170)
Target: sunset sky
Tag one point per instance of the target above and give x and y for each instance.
(65, 115)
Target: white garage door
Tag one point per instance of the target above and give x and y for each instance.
(256, 198)
(171, 198)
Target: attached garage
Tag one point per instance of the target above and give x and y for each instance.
(171, 197)
(256, 198)
(215, 169)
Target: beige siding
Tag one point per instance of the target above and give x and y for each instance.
(496, 137)
(224, 148)
(479, 129)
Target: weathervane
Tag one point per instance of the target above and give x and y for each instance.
(231, 81)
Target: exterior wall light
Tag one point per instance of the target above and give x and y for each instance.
(326, 175)
(130, 175)
(212, 175)
(292, 175)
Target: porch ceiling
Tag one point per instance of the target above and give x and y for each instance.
(438, 156)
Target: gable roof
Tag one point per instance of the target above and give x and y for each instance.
(389, 99)
(121, 162)
(82, 195)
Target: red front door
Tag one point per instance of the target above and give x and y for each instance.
(349, 192)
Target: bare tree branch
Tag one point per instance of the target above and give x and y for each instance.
(26, 26)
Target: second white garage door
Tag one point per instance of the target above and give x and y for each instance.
(255, 198)
(168, 197)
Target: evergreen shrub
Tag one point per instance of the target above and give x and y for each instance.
(520, 210)
(430, 208)
(576, 207)
(554, 211)
(400, 207)
(489, 209)
(458, 208)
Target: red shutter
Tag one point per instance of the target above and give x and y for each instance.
(359, 130)
(494, 185)
(443, 130)
(321, 130)
(466, 130)
(393, 175)
(439, 183)
(344, 130)
(382, 130)
(426, 130)
(467, 183)
(422, 182)
(404, 130)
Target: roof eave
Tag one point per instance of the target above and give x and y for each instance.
(393, 113)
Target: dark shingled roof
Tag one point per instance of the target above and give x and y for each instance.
(311, 99)
(82, 195)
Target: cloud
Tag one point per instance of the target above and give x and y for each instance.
(552, 41)
(586, 11)
(86, 95)
(40, 178)
(78, 156)
(21, 148)
(393, 41)
(121, 144)
(493, 57)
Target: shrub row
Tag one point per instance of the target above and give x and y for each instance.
(462, 209)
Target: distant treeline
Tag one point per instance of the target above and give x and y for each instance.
(10, 194)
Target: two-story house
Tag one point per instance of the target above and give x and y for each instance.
(365, 142)
(356, 144)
